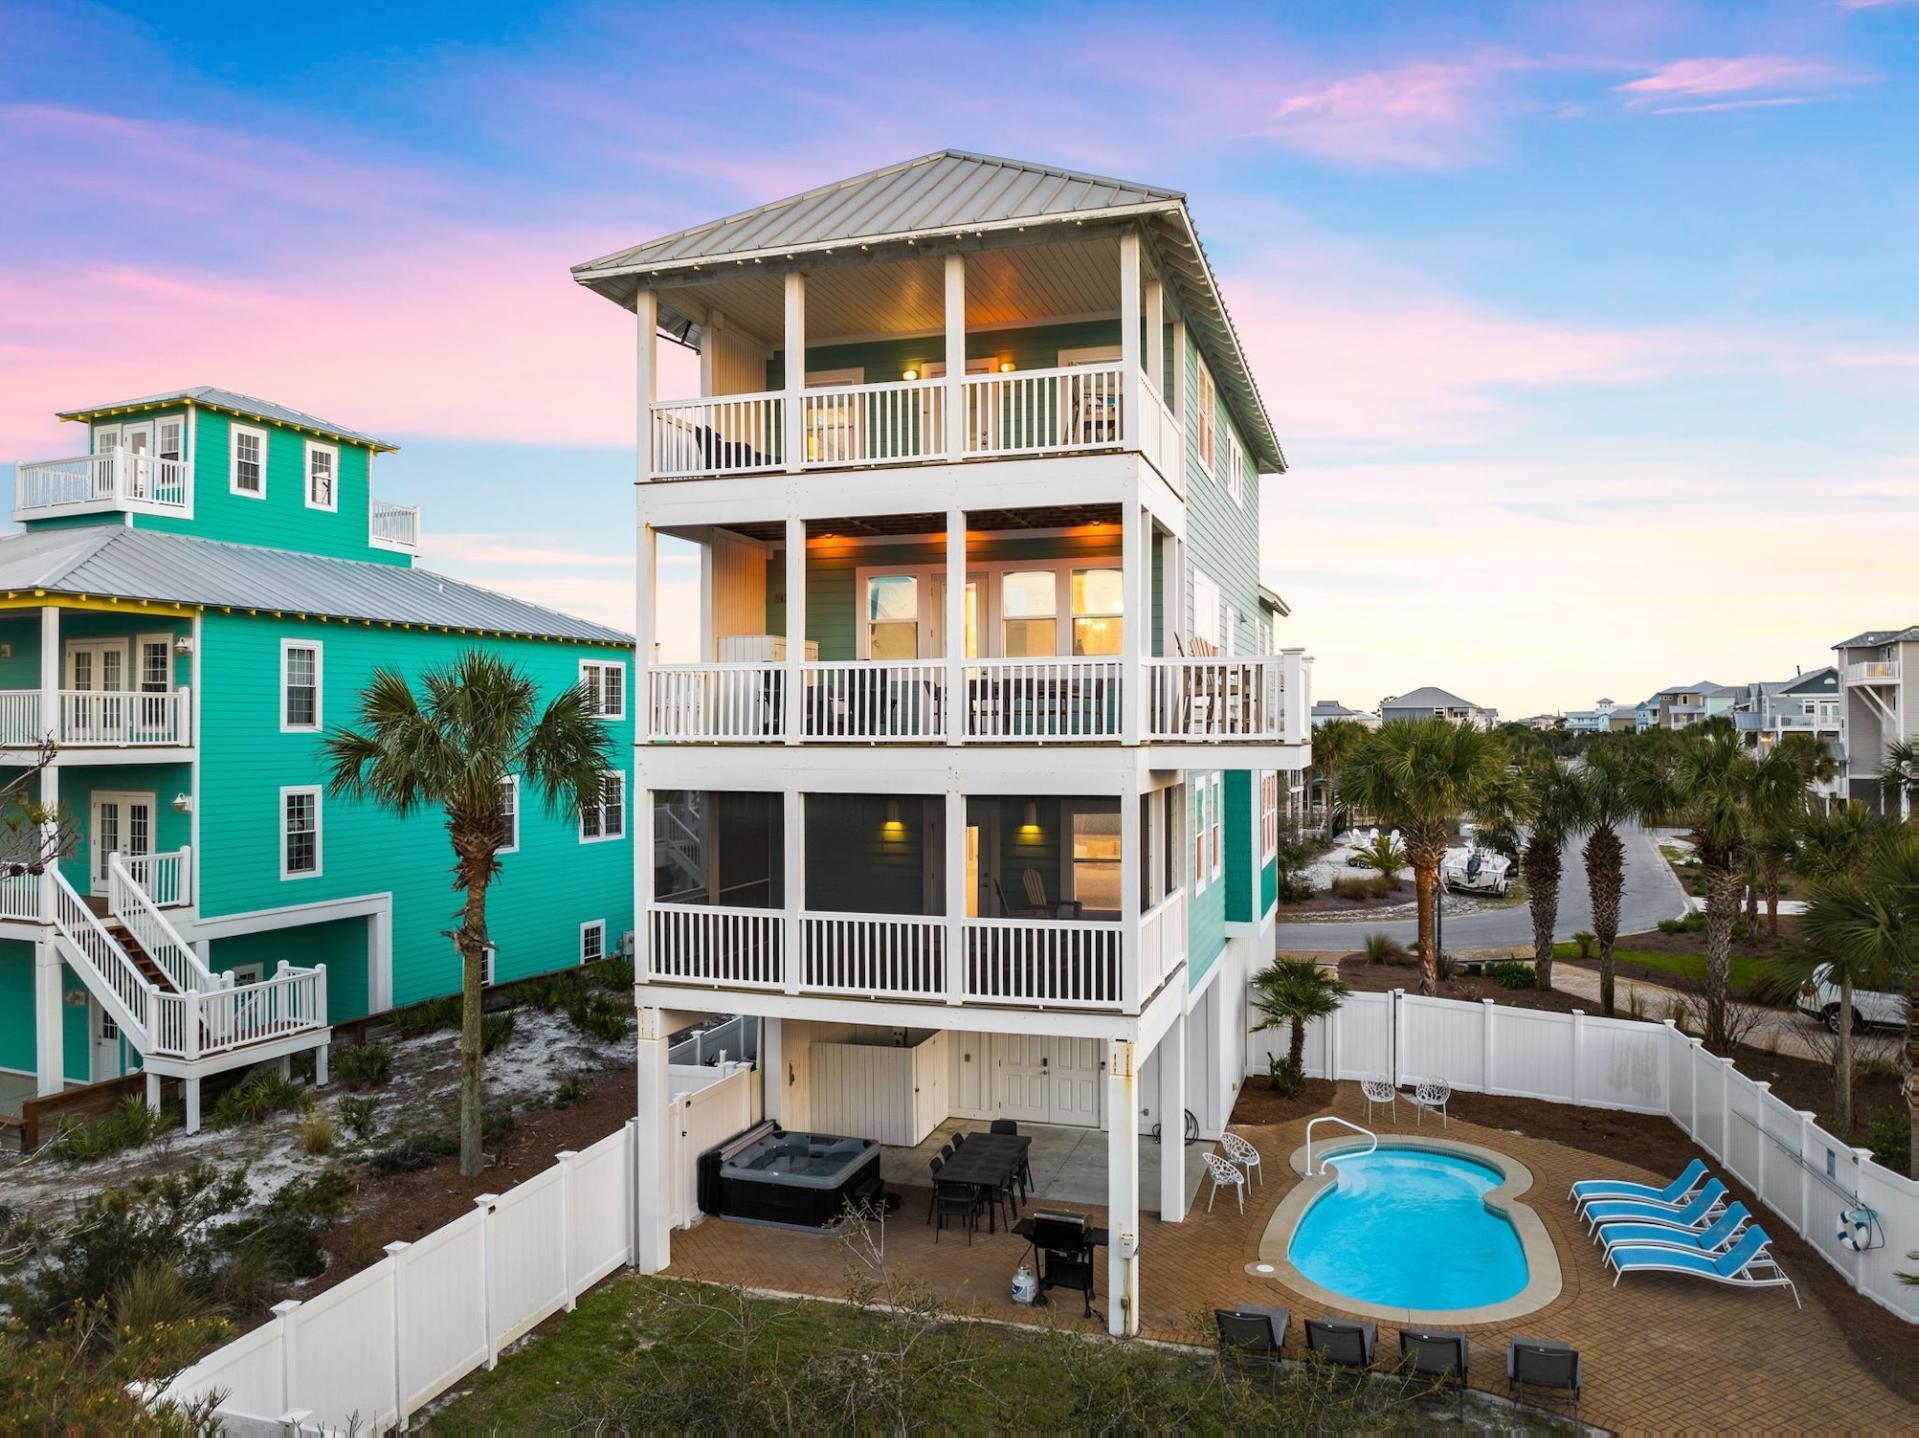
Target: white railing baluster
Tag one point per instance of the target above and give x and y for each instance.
(718, 435)
(1217, 698)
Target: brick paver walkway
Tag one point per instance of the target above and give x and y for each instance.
(1659, 1353)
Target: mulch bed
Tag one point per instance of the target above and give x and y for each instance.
(1260, 1103)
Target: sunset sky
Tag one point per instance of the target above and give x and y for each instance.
(1591, 330)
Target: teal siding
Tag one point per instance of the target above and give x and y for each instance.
(17, 1049)
(1268, 885)
(76, 1037)
(78, 785)
(20, 633)
(1036, 347)
(1239, 840)
(1206, 913)
(858, 863)
(1222, 538)
(341, 944)
(543, 892)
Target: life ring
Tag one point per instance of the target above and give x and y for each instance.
(1855, 1229)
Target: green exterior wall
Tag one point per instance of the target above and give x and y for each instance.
(1268, 886)
(1032, 347)
(1239, 841)
(343, 945)
(16, 1006)
(79, 783)
(1206, 910)
(858, 863)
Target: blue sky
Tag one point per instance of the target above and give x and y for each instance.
(1589, 329)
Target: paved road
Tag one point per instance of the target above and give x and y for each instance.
(1652, 894)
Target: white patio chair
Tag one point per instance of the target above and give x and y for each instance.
(1226, 1174)
(1432, 1094)
(1378, 1091)
(1244, 1154)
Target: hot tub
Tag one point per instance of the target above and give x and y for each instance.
(802, 1180)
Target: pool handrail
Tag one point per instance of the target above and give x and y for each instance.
(1333, 1118)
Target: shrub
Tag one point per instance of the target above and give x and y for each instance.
(614, 974)
(157, 1294)
(1586, 941)
(1510, 975)
(1445, 965)
(260, 1097)
(570, 1091)
(1382, 948)
(363, 1065)
(1888, 1133)
(284, 1235)
(412, 1153)
(496, 1127)
(600, 1015)
(316, 1134)
(360, 1115)
(1371, 886)
(426, 1018)
(1279, 1073)
(131, 1124)
(496, 1030)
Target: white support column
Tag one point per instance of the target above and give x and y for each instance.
(1172, 1121)
(955, 359)
(190, 1094)
(49, 1017)
(1172, 579)
(1129, 339)
(955, 707)
(795, 677)
(794, 850)
(1131, 852)
(1156, 338)
(709, 350)
(652, 1154)
(955, 840)
(644, 859)
(50, 671)
(646, 308)
(645, 606)
(772, 1065)
(153, 1093)
(709, 647)
(795, 368)
(1122, 1188)
(1179, 369)
(1133, 619)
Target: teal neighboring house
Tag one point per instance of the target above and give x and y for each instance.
(194, 602)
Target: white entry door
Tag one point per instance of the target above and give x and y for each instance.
(122, 823)
(1078, 1081)
(106, 1043)
(1048, 1080)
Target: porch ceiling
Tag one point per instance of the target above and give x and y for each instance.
(1057, 516)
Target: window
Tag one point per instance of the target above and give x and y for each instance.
(1029, 613)
(109, 1030)
(892, 616)
(155, 674)
(1200, 867)
(1205, 420)
(1268, 814)
(249, 474)
(592, 941)
(106, 437)
(605, 686)
(509, 815)
(1232, 465)
(1097, 622)
(1094, 869)
(299, 686)
(606, 819)
(171, 440)
(1206, 613)
(300, 832)
(1219, 848)
(323, 466)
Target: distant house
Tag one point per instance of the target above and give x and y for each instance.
(1596, 720)
(1685, 705)
(1327, 710)
(1878, 687)
(1434, 703)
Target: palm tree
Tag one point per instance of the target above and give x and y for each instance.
(1385, 855)
(1333, 744)
(1899, 779)
(1295, 992)
(1420, 776)
(1728, 795)
(451, 749)
(1553, 810)
(1608, 793)
(1864, 922)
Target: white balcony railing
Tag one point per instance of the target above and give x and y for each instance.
(900, 422)
(1043, 700)
(166, 879)
(20, 895)
(113, 479)
(875, 701)
(200, 1023)
(1162, 440)
(1162, 942)
(709, 944)
(873, 955)
(715, 703)
(124, 717)
(393, 526)
(1044, 411)
(1044, 963)
(1873, 671)
(722, 434)
(1216, 699)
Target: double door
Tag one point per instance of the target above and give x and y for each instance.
(1038, 1079)
(123, 824)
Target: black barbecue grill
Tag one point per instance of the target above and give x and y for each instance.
(1063, 1245)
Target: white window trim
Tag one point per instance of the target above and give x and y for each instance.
(314, 446)
(588, 927)
(1068, 808)
(1217, 839)
(319, 687)
(600, 689)
(185, 429)
(987, 573)
(1205, 416)
(138, 676)
(626, 799)
(1197, 849)
(513, 781)
(1232, 468)
(1268, 815)
(100, 432)
(319, 831)
(233, 461)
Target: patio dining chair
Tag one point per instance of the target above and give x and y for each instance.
(1380, 1091)
(1432, 1094)
(959, 1138)
(1336, 1340)
(1252, 1335)
(935, 1165)
(956, 1200)
(1004, 1125)
(1226, 1174)
(1542, 1363)
(1244, 1154)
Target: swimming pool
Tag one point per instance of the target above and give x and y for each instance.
(1409, 1228)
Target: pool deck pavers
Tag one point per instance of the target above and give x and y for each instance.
(1659, 1353)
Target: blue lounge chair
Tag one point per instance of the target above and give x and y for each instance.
(1724, 1231)
(1587, 1190)
(1746, 1264)
(1700, 1210)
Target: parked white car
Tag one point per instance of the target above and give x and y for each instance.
(1870, 1008)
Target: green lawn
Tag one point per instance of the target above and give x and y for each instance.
(647, 1354)
(1685, 966)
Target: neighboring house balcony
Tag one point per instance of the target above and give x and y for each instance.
(96, 719)
(113, 676)
(1873, 671)
(1050, 335)
(115, 480)
(394, 526)
(1033, 918)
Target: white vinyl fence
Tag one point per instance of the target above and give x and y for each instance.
(368, 1353)
(1808, 1178)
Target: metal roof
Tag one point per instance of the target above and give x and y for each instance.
(230, 402)
(1871, 637)
(115, 561)
(1429, 697)
(957, 196)
(1814, 681)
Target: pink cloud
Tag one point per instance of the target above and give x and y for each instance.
(1728, 76)
(1426, 115)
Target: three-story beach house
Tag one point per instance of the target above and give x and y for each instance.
(981, 748)
(195, 600)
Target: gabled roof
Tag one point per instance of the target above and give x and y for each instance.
(113, 561)
(1908, 635)
(953, 196)
(1269, 600)
(1331, 706)
(1703, 688)
(1429, 697)
(230, 402)
(1816, 681)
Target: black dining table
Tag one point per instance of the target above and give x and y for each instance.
(987, 1160)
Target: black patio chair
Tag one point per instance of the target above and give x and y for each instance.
(959, 1138)
(935, 1165)
(1004, 1125)
(1011, 1128)
(946, 1150)
(1252, 1335)
(1440, 1358)
(956, 1200)
(1349, 1344)
(1543, 1365)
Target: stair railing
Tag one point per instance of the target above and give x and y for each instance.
(133, 907)
(108, 968)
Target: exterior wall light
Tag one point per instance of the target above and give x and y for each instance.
(183, 644)
(1006, 366)
(1032, 814)
(182, 803)
(909, 373)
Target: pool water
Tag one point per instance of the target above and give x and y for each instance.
(1408, 1228)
